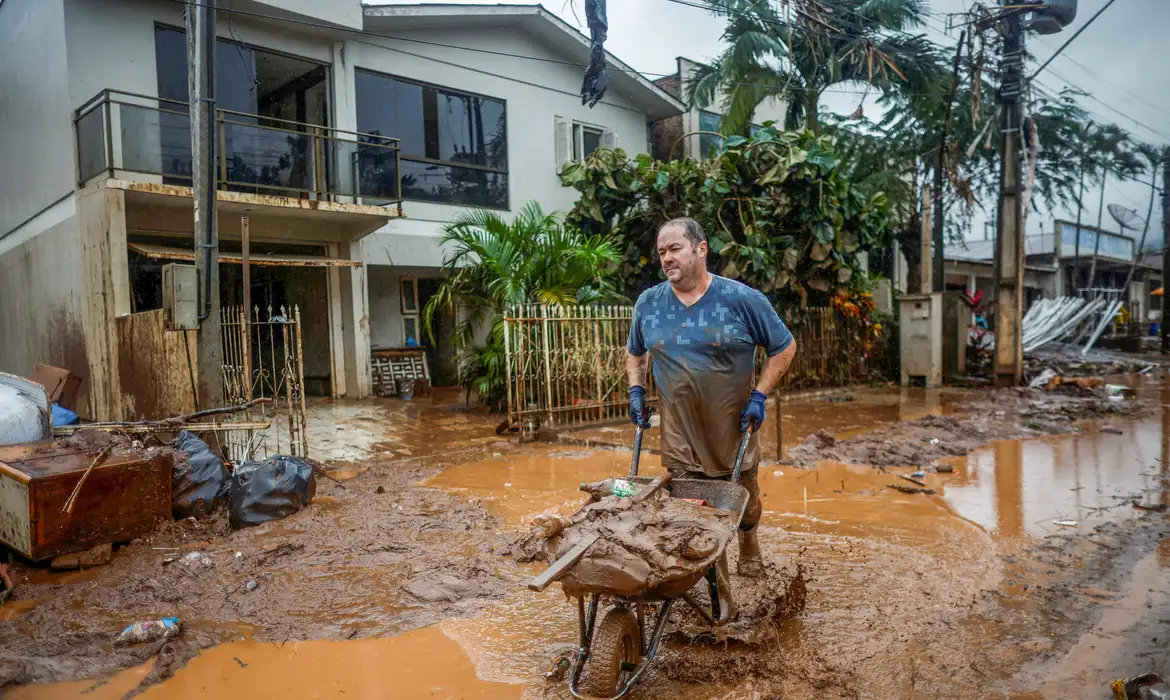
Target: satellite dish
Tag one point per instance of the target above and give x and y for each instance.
(1125, 218)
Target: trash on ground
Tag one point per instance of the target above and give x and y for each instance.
(944, 468)
(1160, 508)
(1041, 380)
(558, 669)
(251, 585)
(269, 490)
(61, 386)
(95, 556)
(63, 416)
(24, 411)
(1112, 431)
(911, 478)
(911, 489)
(935, 441)
(1066, 523)
(918, 474)
(1147, 686)
(200, 480)
(1119, 392)
(150, 630)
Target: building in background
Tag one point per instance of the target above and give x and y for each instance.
(677, 136)
(324, 129)
(489, 127)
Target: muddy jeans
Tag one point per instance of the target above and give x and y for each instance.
(747, 479)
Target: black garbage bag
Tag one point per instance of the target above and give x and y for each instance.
(596, 80)
(270, 489)
(199, 481)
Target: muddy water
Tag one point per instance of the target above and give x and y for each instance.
(887, 568)
(422, 663)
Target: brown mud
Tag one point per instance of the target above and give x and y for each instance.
(972, 592)
(999, 415)
(375, 555)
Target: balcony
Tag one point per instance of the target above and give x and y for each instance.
(119, 133)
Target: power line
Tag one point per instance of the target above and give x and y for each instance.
(1071, 39)
(1105, 80)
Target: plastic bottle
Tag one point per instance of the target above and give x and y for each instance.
(149, 631)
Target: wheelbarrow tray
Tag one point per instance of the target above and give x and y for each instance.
(585, 577)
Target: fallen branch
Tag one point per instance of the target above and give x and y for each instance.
(177, 420)
(910, 489)
(77, 489)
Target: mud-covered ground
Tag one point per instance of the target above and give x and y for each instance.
(908, 595)
(373, 555)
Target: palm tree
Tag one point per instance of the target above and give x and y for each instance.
(776, 51)
(1153, 156)
(493, 264)
(1110, 152)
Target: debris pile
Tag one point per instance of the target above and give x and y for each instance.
(638, 544)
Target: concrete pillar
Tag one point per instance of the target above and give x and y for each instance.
(101, 219)
(355, 322)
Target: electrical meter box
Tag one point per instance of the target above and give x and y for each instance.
(180, 297)
(920, 323)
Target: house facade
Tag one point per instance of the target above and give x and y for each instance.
(348, 137)
(692, 134)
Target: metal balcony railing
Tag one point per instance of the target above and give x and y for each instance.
(125, 132)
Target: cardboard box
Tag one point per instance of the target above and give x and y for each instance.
(61, 385)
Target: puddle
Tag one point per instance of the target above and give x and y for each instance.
(423, 663)
(13, 609)
(1021, 487)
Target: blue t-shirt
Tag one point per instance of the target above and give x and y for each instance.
(704, 361)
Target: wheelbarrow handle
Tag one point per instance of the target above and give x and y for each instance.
(638, 442)
(743, 445)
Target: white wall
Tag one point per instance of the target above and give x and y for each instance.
(534, 93)
(36, 138)
(347, 13)
(386, 303)
(111, 43)
(770, 109)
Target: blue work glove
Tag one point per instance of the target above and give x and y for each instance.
(638, 413)
(753, 415)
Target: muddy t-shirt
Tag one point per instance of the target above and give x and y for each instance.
(704, 360)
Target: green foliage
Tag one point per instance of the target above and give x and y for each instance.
(777, 50)
(778, 211)
(493, 263)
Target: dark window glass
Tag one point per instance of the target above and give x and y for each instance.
(434, 124)
(434, 182)
(709, 144)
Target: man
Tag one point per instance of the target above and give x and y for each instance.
(702, 330)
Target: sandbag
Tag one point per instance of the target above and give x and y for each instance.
(270, 489)
(199, 481)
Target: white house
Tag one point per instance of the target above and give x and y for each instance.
(348, 136)
(505, 108)
(692, 133)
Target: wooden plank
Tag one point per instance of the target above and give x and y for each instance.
(560, 566)
(153, 367)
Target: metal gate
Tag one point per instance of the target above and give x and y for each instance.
(262, 359)
(566, 365)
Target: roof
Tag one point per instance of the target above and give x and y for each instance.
(1042, 244)
(540, 23)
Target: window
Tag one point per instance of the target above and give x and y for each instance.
(709, 143)
(408, 293)
(586, 140)
(577, 140)
(454, 146)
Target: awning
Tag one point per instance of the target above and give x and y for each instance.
(161, 252)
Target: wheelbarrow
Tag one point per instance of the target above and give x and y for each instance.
(618, 650)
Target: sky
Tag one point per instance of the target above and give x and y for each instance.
(1118, 60)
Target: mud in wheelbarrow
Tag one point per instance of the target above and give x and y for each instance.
(613, 653)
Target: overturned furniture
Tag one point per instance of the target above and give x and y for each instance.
(58, 499)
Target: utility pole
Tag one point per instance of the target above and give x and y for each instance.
(1009, 243)
(1076, 270)
(939, 275)
(201, 88)
(1165, 246)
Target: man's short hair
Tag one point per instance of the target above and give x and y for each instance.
(691, 229)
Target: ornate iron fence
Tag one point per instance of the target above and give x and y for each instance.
(262, 358)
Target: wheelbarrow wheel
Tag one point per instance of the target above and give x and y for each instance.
(614, 653)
